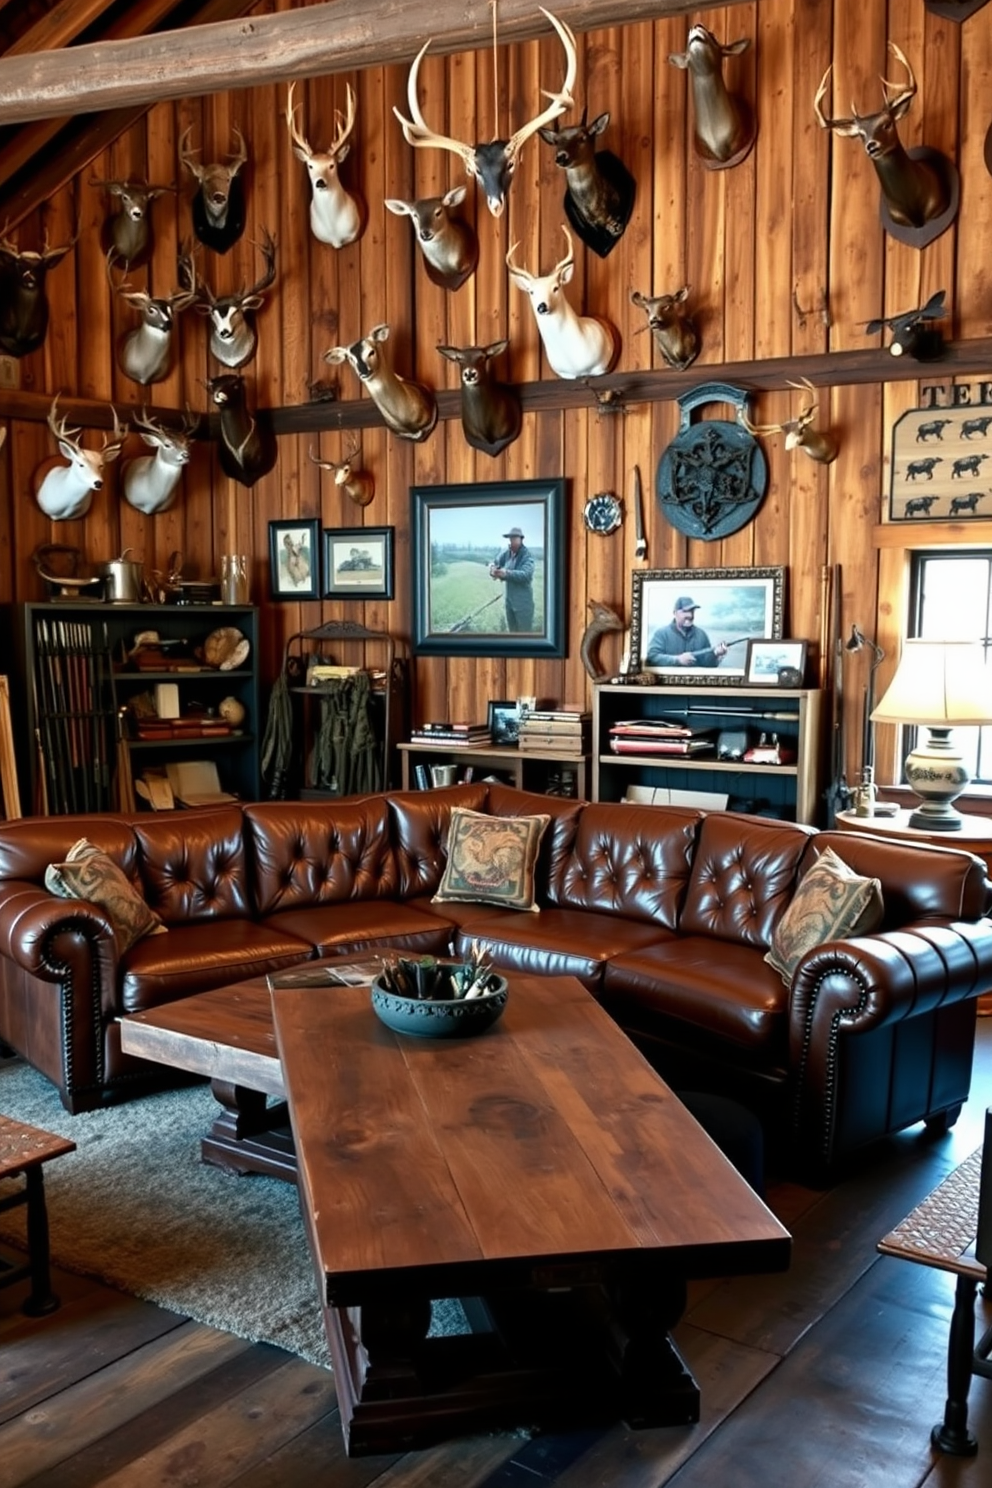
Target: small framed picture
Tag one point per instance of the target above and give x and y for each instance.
(294, 559)
(358, 562)
(504, 723)
(768, 660)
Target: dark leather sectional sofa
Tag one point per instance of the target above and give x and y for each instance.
(663, 913)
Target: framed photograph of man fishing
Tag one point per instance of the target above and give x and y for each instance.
(489, 572)
(696, 624)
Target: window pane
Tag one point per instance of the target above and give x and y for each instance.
(953, 594)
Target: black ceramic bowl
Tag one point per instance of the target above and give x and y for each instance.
(432, 1018)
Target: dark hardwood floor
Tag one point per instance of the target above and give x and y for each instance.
(829, 1375)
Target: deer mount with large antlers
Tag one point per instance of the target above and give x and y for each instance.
(920, 186)
(336, 216)
(219, 202)
(357, 484)
(233, 337)
(575, 345)
(799, 433)
(65, 492)
(151, 482)
(492, 164)
(145, 353)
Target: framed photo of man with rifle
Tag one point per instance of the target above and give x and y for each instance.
(489, 569)
(695, 624)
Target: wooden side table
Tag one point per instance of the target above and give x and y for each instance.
(940, 1232)
(24, 1149)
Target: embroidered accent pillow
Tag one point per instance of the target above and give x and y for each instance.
(491, 859)
(831, 903)
(89, 874)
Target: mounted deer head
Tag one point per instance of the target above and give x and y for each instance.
(357, 484)
(491, 412)
(23, 300)
(673, 329)
(127, 232)
(408, 408)
(817, 444)
(145, 354)
(151, 482)
(219, 203)
(66, 491)
(576, 345)
(600, 190)
(233, 337)
(724, 128)
(916, 190)
(449, 245)
(248, 449)
(335, 215)
(493, 164)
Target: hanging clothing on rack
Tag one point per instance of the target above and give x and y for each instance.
(344, 757)
(277, 742)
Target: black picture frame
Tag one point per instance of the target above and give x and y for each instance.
(457, 535)
(736, 606)
(358, 562)
(287, 536)
(504, 723)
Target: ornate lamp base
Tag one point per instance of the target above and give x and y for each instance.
(937, 774)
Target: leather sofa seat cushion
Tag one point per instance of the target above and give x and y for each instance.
(356, 928)
(743, 877)
(197, 958)
(632, 861)
(557, 942)
(317, 852)
(724, 990)
(194, 866)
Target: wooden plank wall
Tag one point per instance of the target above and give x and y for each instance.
(794, 227)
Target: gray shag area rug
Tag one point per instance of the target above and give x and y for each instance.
(134, 1206)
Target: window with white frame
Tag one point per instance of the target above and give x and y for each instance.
(951, 600)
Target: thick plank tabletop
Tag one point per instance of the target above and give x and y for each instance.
(226, 1034)
(546, 1140)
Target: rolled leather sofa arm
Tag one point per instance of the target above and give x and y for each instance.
(846, 991)
(31, 919)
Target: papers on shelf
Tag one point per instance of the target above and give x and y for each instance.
(663, 795)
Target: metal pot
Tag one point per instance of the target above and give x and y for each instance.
(122, 579)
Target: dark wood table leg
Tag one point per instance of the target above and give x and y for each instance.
(952, 1434)
(249, 1135)
(41, 1299)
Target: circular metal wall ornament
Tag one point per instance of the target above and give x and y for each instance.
(712, 477)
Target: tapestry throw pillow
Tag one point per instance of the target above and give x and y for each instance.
(89, 874)
(830, 903)
(491, 859)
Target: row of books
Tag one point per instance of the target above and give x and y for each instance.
(463, 734)
(659, 736)
(562, 731)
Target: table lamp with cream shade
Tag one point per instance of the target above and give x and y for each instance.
(938, 685)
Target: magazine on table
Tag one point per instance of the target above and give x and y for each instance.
(330, 974)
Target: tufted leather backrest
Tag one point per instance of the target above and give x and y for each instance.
(743, 877)
(558, 842)
(944, 885)
(420, 832)
(193, 864)
(29, 844)
(309, 852)
(633, 860)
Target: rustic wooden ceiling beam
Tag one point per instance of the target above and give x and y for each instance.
(315, 40)
(833, 369)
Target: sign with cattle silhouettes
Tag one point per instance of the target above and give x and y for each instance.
(942, 460)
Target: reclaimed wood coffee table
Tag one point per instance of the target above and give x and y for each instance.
(543, 1174)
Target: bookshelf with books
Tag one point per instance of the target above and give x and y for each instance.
(756, 749)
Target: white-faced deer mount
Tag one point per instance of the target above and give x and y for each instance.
(151, 482)
(449, 245)
(493, 164)
(600, 190)
(408, 408)
(491, 411)
(23, 297)
(357, 484)
(672, 327)
(145, 353)
(233, 337)
(816, 443)
(65, 492)
(575, 345)
(248, 448)
(219, 203)
(920, 187)
(724, 128)
(127, 231)
(336, 217)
